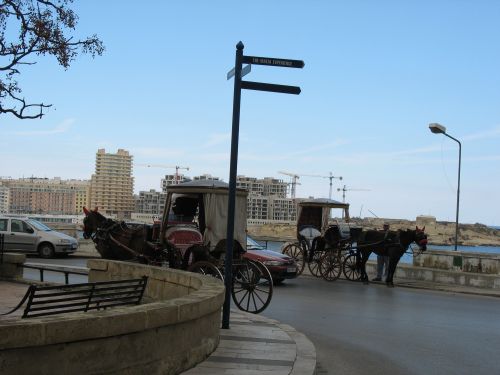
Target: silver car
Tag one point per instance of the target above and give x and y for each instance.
(31, 236)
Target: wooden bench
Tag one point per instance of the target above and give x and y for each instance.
(60, 299)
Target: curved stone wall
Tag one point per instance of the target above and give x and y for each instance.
(176, 327)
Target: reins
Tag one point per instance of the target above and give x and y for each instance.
(413, 252)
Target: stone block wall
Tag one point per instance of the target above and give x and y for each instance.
(484, 263)
(175, 330)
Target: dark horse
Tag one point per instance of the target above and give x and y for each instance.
(392, 244)
(118, 241)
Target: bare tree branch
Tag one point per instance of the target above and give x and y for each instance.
(43, 28)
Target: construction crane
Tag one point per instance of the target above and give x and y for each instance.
(294, 183)
(165, 166)
(344, 189)
(330, 177)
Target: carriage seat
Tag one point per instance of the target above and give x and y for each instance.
(309, 234)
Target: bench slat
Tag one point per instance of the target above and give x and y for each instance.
(51, 300)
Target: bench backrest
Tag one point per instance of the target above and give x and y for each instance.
(50, 300)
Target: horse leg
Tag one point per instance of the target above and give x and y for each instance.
(393, 262)
(364, 258)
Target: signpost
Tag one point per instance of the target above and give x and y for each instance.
(238, 72)
(244, 72)
(272, 61)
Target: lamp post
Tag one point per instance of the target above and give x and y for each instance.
(440, 129)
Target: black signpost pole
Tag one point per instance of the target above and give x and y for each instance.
(238, 72)
(228, 263)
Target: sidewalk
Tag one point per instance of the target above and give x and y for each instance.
(255, 345)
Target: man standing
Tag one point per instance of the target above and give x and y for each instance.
(382, 260)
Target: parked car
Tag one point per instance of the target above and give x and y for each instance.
(280, 265)
(22, 234)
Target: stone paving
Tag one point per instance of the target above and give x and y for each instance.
(257, 345)
(11, 294)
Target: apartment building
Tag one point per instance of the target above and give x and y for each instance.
(258, 207)
(267, 199)
(4, 198)
(282, 209)
(205, 177)
(172, 179)
(267, 186)
(112, 185)
(150, 202)
(46, 196)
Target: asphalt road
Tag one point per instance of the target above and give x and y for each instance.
(360, 329)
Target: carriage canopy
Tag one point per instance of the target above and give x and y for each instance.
(316, 212)
(205, 203)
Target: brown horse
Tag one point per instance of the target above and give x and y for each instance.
(392, 244)
(117, 240)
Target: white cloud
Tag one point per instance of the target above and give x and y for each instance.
(493, 133)
(217, 138)
(63, 127)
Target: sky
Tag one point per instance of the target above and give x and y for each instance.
(375, 75)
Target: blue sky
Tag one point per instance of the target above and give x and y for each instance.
(376, 74)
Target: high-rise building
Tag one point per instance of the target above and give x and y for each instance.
(112, 185)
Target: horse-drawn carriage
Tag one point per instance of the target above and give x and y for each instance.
(332, 248)
(320, 243)
(192, 237)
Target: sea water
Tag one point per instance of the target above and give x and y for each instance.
(407, 257)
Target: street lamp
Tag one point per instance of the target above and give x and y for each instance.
(440, 129)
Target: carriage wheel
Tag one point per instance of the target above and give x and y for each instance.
(252, 286)
(330, 266)
(206, 268)
(297, 253)
(351, 267)
(313, 265)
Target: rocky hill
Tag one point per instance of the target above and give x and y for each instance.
(439, 233)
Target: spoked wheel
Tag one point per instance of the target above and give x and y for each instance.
(351, 266)
(313, 265)
(252, 286)
(206, 268)
(330, 266)
(296, 252)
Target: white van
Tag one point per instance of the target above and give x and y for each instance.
(22, 234)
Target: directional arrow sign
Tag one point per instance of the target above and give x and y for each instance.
(270, 87)
(230, 74)
(273, 61)
(246, 69)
